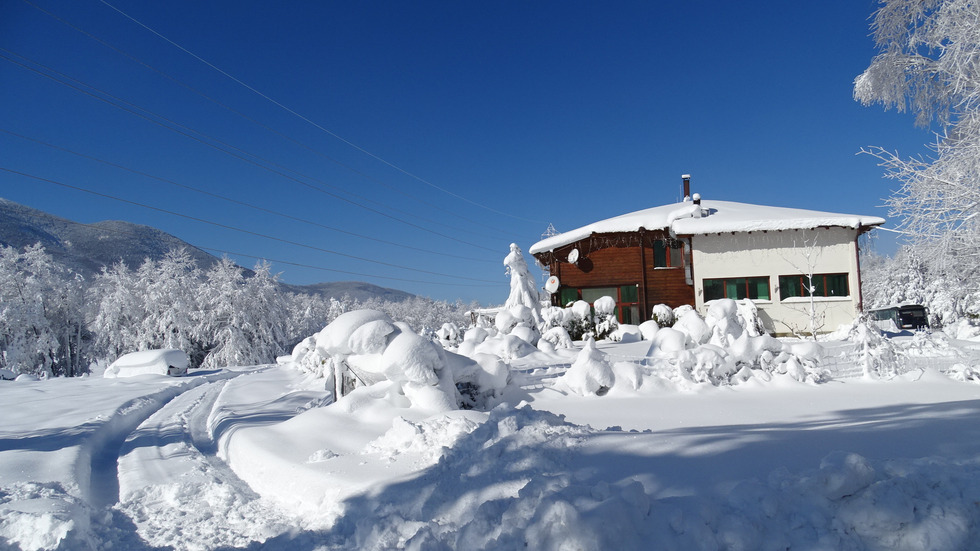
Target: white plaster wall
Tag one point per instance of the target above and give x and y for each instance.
(776, 253)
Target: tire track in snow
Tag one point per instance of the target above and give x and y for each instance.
(97, 465)
(176, 489)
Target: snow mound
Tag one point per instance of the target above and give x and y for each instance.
(42, 516)
(148, 362)
(334, 339)
(591, 372)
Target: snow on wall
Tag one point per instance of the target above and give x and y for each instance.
(780, 253)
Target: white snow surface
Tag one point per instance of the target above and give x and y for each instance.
(717, 216)
(262, 458)
(148, 362)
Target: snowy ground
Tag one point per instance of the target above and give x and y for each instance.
(248, 458)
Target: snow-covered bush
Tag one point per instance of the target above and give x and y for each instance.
(964, 373)
(626, 333)
(449, 335)
(364, 347)
(605, 317)
(723, 321)
(558, 337)
(648, 329)
(733, 354)
(590, 373)
(580, 324)
(691, 324)
(877, 355)
(965, 329)
(663, 315)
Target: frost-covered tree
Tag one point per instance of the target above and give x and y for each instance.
(523, 290)
(117, 312)
(243, 320)
(928, 64)
(171, 290)
(40, 314)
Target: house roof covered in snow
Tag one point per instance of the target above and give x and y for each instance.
(715, 217)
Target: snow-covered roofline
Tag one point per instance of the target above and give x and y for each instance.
(716, 217)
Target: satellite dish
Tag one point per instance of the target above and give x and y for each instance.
(573, 256)
(552, 284)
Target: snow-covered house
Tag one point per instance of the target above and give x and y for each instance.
(700, 250)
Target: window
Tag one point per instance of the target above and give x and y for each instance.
(626, 297)
(668, 253)
(824, 285)
(755, 288)
(567, 295)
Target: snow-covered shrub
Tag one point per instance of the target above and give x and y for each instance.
(965, 329)
(605, 317)
(525, 333)
(748, 315)
(667, 342)
(648, 329)
(964, 373)
(580, 326)
(364, 347)
(723, 321)
(663, 315)
(626, 333)
(558, 337)
(449, 335)
(691, 324)
(505, 321)
(706, 364)
(590, 373)
(553, 316)
(877, 355)
(506, 347)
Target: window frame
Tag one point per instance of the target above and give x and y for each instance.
(747, 285)
(666, 255)
(820, 282)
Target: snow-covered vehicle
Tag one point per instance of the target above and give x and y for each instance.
(904, 316)
(158, 362)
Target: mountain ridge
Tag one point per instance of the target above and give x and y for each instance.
(86, 248)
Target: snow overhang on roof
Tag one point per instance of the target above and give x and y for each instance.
(717, 217)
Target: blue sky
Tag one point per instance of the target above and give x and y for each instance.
(433, 133)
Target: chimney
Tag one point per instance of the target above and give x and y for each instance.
(686, 178)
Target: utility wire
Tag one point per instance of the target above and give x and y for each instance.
(359, 274)
(228, 108)
(134, 109)
(241, 230)
(237, 202)
(312, 123)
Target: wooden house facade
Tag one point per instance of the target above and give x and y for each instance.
(639, 269)
(694, 252)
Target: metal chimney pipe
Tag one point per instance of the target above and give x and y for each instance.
(686, 178)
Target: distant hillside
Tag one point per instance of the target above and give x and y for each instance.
(355, 289)
(85, 248)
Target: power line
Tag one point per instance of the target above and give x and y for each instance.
(359, 274)
(310, 122)
(237, 202)
(134, 110)
(241, 230)
(260, 124)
